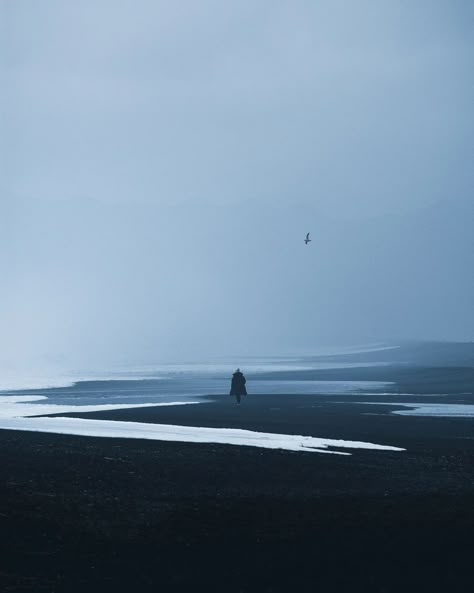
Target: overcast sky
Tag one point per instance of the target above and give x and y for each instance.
(161, 162)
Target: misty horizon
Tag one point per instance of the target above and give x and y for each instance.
(161, 167)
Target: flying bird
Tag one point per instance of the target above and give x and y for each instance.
(307, 240)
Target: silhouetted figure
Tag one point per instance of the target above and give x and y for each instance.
(237, 387)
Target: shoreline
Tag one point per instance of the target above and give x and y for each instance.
(88, 513)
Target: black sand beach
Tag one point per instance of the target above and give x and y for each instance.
(97, 514)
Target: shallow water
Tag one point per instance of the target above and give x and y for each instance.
(164, 383)
(433, 410)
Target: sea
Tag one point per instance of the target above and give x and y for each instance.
(33, 401)
(162, 383)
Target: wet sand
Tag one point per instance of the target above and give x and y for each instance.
(98, 514)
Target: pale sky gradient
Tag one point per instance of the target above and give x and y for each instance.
(162, 161)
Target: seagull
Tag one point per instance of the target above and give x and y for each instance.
(307, 240)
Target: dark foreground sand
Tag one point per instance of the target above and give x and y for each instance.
(82, 514)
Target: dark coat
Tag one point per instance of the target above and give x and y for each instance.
(238, 384)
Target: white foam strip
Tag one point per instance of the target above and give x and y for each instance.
(17, 407)
(187, 434)
(16, 413)
(433, 410)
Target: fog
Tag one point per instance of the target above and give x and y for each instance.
(161, 163)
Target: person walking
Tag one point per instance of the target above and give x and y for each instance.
(237, 387)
